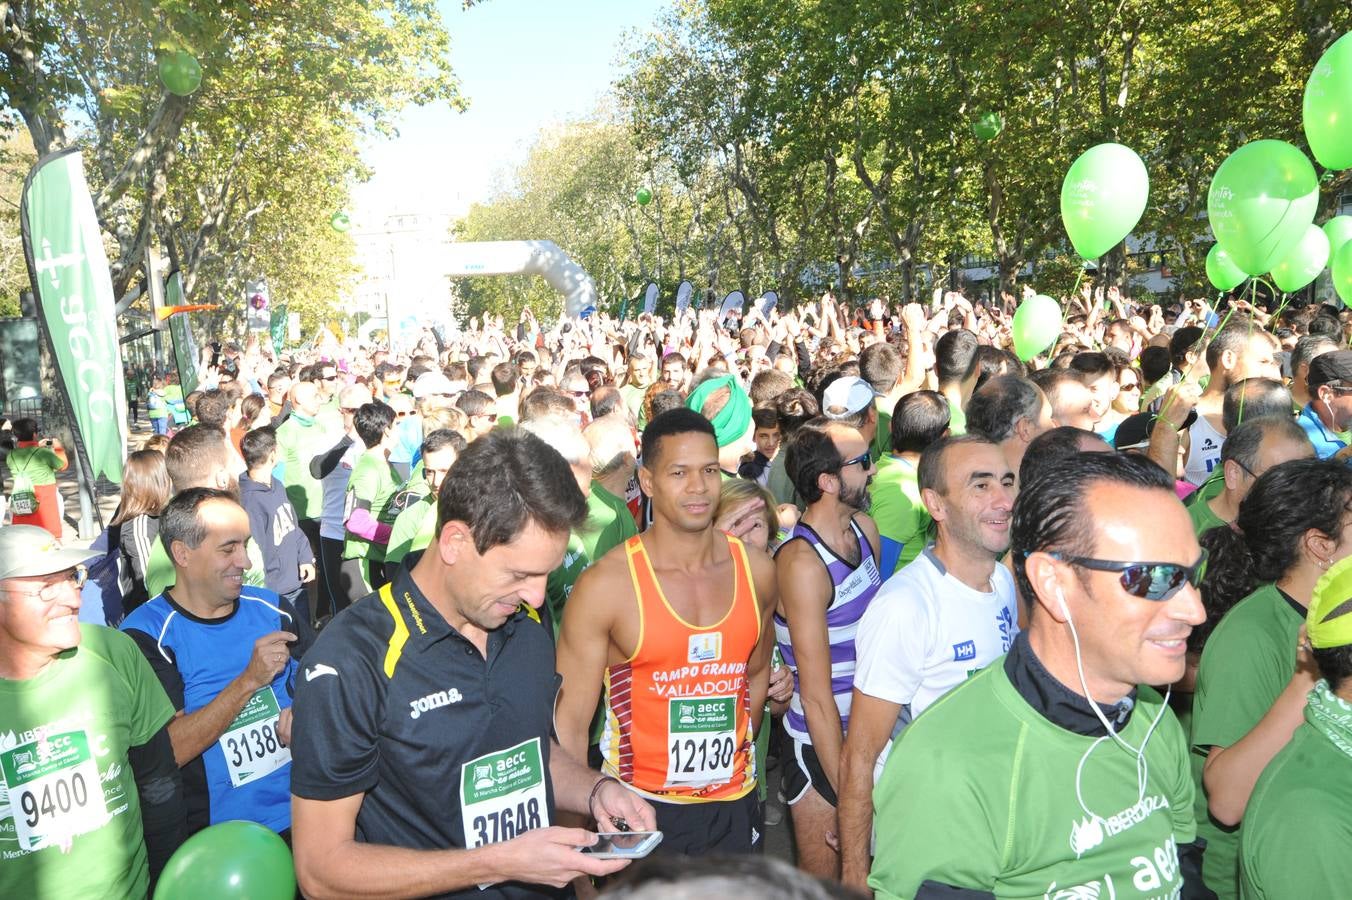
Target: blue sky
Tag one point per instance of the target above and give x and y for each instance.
(523, 64)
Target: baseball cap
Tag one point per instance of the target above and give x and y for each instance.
(1327, 623)
(1330, 367)
(1133, 432)
(431, 383)
(26, 551)
(846, 396)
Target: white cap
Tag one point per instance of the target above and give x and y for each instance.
(430, 384)
(846, 396)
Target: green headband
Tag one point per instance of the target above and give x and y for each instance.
(734, 418)
(1329, 620)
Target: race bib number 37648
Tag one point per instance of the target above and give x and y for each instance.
(502, 794)
(54, 790)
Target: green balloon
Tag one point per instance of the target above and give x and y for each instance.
(1036, 326)
(1221, 270)
(339, 221)
(643, 196)
(1303, 262)
(1327, 110)
(1260, 201)
(1339, 232)
(987, 126)
(180, 72)
(230, 860)
(1102, 198)
(1342, 273)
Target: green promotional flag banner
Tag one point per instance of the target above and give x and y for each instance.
(277, 328)
(180, 334)
(74, 294)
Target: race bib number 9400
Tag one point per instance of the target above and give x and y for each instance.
(251, 746)
(502, 794)
(54, 790)
(701, 740)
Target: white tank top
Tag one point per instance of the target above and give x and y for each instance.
(1204, 451)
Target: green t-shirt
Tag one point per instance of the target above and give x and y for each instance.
(64, 741)
(38, 464)
(901, 517)
(1297, 830)
(560, 583)
(373, 482)
(882, 440)
(1247, 663)
(300, 440)
(957, 420)
(633, 399)
(609, 522)
(160, 574)
(1203, 518)
(982, 792)
(413, 529)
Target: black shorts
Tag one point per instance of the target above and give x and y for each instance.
(700, 829)
(802, 770)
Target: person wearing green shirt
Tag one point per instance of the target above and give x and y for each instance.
(1054, 771)
(641, 373)
(1250, 689)
(1296, 825)
(416, 524)
(566, 437)
(957, 371)
(368, 520)
(611, 458)
(1250, 449)
(880, 366)
(895, 506)
(305, 434)
(94, 798)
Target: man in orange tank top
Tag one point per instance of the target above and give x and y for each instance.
(671, 630)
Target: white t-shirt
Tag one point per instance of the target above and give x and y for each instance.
(1204, 450)
(925, 632)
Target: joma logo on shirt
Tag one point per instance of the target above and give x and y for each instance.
(433, 701)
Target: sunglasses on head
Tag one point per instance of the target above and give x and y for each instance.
(1146, 580)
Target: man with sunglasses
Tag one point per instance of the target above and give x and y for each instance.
(1055, 771)
(943, 616)
(94, 800)
(1328, 415)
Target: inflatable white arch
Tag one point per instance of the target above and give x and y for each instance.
(543, 258)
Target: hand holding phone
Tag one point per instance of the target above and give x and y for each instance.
(623, 844)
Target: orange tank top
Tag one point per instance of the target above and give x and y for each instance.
(678, 711)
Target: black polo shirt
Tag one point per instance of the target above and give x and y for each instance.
(394, 703)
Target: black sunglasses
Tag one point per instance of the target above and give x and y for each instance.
(1146, 580)
(862, 460)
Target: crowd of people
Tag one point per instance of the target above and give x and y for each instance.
(441, 616)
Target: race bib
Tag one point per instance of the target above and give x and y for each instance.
(701, 740)
(251, 745)
(23, 500)
(502, 794)
(54, 790)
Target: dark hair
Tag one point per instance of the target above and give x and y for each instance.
(212, 407)
(1254, 398)
(1233, 338)
(257, 444)
(193, 454)
(669, 424)
(1051, 514)
(180, 522)
(605, 400)
(504, 377)
(25, 429)
(475, 365)
(1184, 341)
(1335, 663)
(992, 361)
(764, 417)
(954, 355)
(1154, 364)
(474, 403)
(880, 366)
(145, 486)
(933, 469)
(1309, 347)
(1049, 451)
(544, 402)
(811, 452)
(1092, 365)
(1284, 503)
(1243, 442)
(439, 440)
(794, 407)
(371, 421)
(505, 480)
(663, 400)
(997, 407)
(919, 419)
(250, 407)
(1323, 326)
(768, 385)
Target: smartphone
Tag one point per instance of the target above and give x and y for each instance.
(623, 844)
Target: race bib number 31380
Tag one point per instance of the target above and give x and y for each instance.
(251, 745)
(54, 790)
